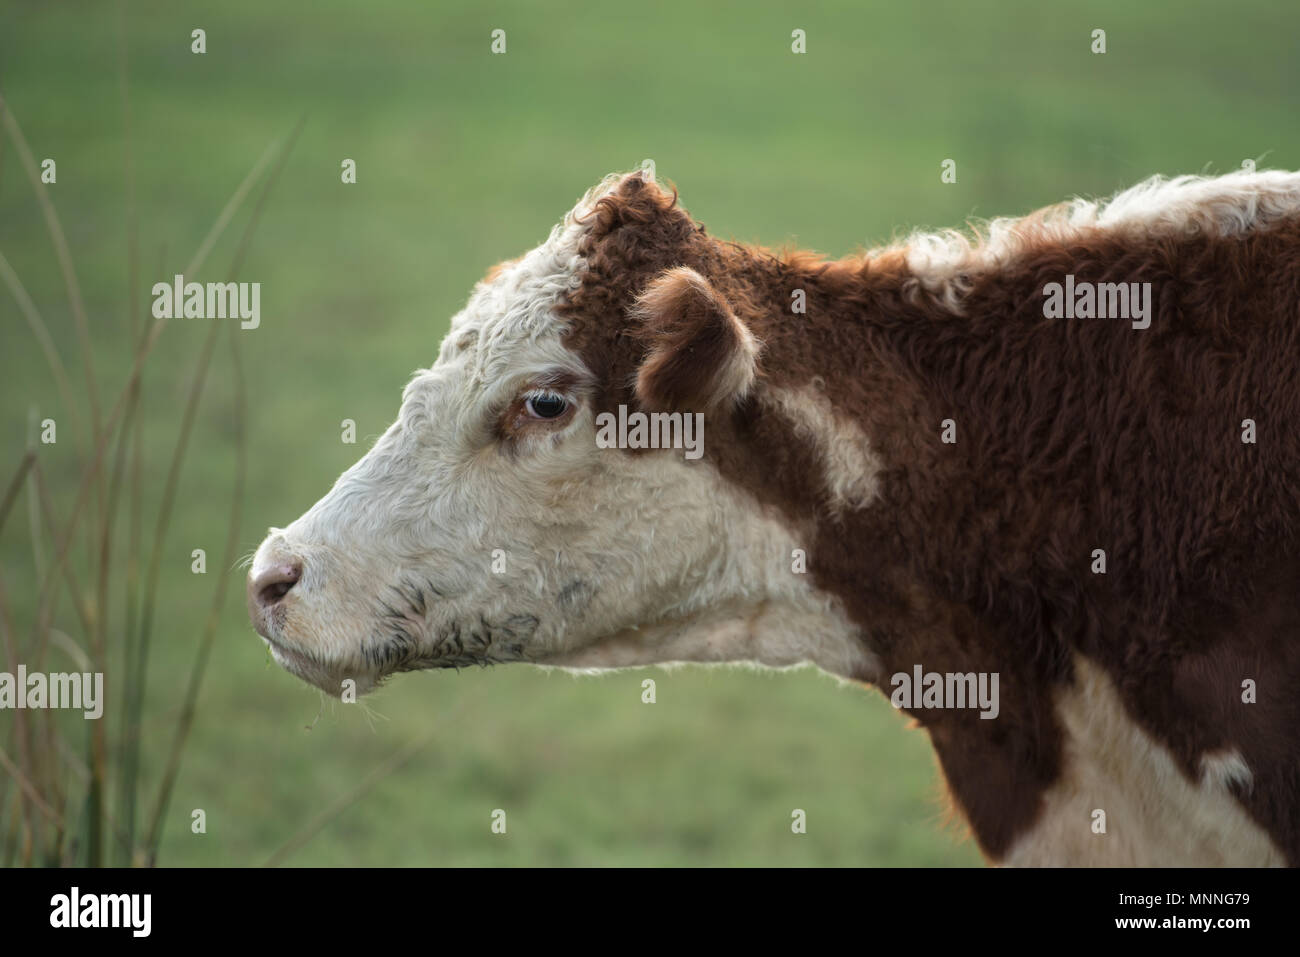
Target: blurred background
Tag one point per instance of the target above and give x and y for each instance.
(464, 158)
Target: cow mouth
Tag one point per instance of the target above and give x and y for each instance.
(288, 658)
(282, 652)
(266, 623)
(311, 669)
(395, 645)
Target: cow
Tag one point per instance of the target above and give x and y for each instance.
(959, 464)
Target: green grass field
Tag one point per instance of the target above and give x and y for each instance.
(465, 158)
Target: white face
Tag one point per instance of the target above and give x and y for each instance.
(487, 525)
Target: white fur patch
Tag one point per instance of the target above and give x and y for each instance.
(946, 261)
(1226, 771)
(744, 602)
(850, 468)
(1155, 816)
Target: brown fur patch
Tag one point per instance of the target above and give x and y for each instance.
(1072, 435)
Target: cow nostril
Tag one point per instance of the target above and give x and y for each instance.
(276, 582)
(273, 593)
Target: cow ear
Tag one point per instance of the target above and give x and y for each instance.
(700, 357)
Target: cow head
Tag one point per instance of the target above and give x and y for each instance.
(493, 521)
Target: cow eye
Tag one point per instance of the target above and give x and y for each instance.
(545, 405)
